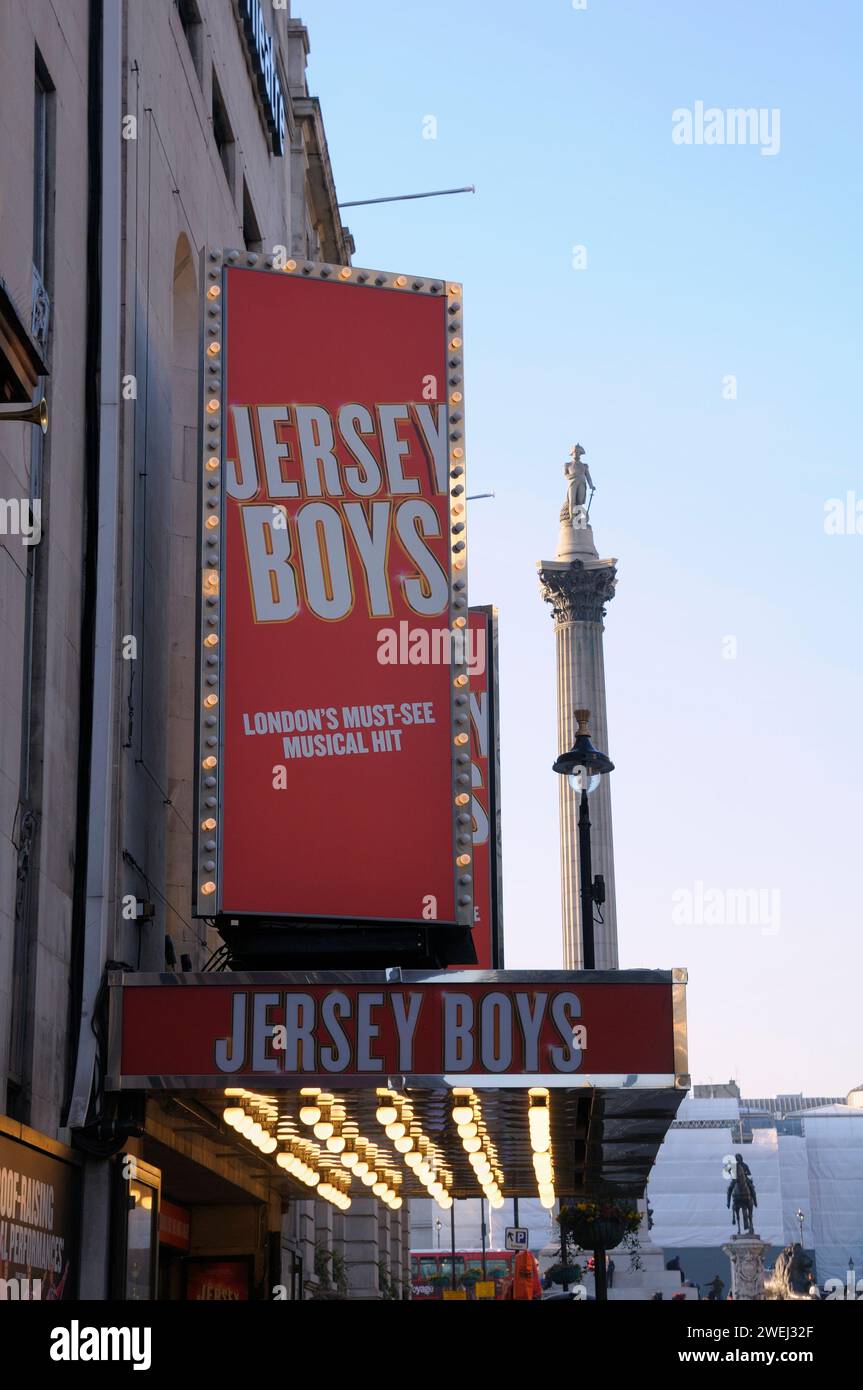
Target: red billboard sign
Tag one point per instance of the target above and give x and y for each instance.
(274, 1028)
(485, 789)
(335, 771)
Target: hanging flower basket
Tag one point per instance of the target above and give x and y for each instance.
(598, 1225)
(563, 1274)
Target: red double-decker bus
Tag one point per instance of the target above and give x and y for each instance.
(431, 1271)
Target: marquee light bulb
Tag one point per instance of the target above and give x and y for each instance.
(404, 1145)
(232, 1114)
(386, 1112)
(370, 1178)
(462, 1110)
(310, 1111)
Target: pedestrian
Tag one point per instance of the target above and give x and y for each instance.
(610, 1272)
(526, 1282)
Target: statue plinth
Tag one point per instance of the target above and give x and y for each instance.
(746, 1254)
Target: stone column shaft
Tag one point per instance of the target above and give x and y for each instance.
(578, 591)
(581, 685)
(361, 1248)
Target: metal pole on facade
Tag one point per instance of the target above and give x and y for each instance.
(407, 197)
(482, 1232)
(452, 1242)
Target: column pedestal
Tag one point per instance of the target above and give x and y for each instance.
(746, 1254)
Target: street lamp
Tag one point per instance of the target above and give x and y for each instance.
(437, 1229)
(800, 1219)
(583, 766)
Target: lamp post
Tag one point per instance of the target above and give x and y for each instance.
(583, 766)
(799, 1213)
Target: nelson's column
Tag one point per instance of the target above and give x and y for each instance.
(578, 585)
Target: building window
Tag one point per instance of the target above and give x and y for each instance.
(190, 18)
(223, 134)
(251, 230)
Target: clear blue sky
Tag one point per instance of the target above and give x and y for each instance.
(703, 262)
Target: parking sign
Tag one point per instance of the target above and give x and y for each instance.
(516, 1237)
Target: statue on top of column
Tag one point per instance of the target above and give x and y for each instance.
(575, 538)
(576, 508)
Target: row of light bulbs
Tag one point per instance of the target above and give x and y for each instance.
(480, 1149)
(252, 1116)
(247, 1117)
(539, 1126)
(395, 1113)
(327, 1117)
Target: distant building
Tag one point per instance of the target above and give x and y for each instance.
(805, 1153)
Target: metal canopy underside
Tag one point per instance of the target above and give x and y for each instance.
(604, 1140)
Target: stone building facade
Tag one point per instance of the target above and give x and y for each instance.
(134, 133)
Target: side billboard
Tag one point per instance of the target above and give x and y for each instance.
(333, 705)
(485, 789)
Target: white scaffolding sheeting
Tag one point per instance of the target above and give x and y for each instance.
(688, 1191)
(834, 1145)
(818, 1171)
